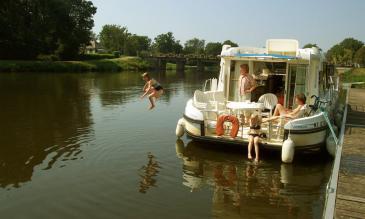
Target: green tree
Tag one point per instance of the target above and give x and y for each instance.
(137, 44)
(344, 52)
(166, 43)
(311, 45)
(360, 56)
(114, 38)
(228, 42)
(351, 44)
(30, 28)
(194, 46)
(213, 49)
(335, 54)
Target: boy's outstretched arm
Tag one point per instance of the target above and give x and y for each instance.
(146, 90)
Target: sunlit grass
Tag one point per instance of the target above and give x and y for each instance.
(354, 75)
(102, 65)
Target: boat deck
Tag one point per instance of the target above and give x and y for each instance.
(242, 137)
(350, 199)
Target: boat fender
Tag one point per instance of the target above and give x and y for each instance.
(180, 147)
(180, 128)
(331, 146)
(287, 151)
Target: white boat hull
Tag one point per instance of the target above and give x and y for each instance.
(306, 133)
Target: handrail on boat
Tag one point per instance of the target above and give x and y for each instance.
(331, 190)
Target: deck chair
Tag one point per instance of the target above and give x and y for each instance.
(209, 104)
(269, 101)
(200, 100)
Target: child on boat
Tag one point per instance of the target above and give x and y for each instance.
(152, 88)
(254, 136)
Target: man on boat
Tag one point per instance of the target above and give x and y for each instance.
(246, 84)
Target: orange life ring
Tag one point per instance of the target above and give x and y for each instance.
(227, 118)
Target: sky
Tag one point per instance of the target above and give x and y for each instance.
(246, 22)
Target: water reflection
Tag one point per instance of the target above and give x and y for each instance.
(244, 189)
(148, 174)
(43, 120)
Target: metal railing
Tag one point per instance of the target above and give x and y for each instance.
(330, 203)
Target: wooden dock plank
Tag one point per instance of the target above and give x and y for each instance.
(350, 199)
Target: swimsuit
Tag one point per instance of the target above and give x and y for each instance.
(157, 86)
(255, 131)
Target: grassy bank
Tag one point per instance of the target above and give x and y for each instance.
(354, 75)
(213, 68)
(102, 65)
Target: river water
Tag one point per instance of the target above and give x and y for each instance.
(85, 146)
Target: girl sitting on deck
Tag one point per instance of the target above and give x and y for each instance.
(152, 88)
(254, 135)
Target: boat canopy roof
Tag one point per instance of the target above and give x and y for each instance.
(270, 56)
(276, 50)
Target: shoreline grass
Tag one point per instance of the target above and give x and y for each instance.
(101, 65)
(126, 63)
(354, 75)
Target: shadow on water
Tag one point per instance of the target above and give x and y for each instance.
(43, 120)
(242, 188)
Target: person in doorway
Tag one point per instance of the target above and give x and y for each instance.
(246, 84)
(280, 95)
(152, 88)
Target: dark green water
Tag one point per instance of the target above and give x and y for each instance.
(85, 146)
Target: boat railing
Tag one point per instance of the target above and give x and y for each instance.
(331, 189)
(213, 82)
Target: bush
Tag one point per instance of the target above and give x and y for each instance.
(48, 58)
(116, 54)
(96, 56)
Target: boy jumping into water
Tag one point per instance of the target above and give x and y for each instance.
(152, 88)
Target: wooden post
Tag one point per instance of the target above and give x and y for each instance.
(161, 64)
(200, 65)
(180, 65)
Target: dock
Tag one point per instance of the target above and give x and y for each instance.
(350, 196)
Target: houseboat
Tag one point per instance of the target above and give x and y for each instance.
(281, 71)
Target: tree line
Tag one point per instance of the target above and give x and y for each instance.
(348, 52)
(115, 38)
(62, 29)
(34, 28)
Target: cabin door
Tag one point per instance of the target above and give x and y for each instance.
(296, 83)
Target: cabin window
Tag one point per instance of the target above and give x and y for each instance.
(297, 78)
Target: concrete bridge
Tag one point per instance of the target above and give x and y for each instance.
(160, 60)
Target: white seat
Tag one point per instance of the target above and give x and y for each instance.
(269, 101)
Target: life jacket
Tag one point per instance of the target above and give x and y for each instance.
(227, 118)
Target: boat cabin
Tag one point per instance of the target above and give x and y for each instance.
(281, 68)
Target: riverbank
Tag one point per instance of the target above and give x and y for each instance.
(102, 65)
(127, 63)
